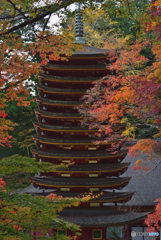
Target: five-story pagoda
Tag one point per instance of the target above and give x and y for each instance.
(61, 139)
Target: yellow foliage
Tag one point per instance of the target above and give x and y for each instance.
(129, 131)
(137, 163)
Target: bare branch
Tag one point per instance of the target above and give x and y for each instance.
(53, 8)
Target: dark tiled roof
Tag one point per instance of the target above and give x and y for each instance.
(94, 167)
(73, 79)
(69, 140)
(69, 128)
(88, 182)
(89, 50)
(70, 115)
(60, 90)
(147, 186)
(64, 67)
(80, 154)
(106, 196)
(53, 102)
(101, 217)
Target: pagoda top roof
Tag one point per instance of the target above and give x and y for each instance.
(79, 154)
(89, 50)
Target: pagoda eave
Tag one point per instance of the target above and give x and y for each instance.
(46, 77)
(61, 90)
(57, 103)
(70, 141)
(80, 155)
(104, 183)
(97, 220)
(76, 67)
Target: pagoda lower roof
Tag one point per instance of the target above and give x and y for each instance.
(108, 167)
(95, 217)
(67, 141)
(80, 182)
(58, 115)
(80, 154)
(61, 90)
(57, 103)
(75, 67)
(105, 197)
(67, 79)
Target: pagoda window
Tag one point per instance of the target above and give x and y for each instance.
(91, 135)
(93, 175)
(42, 133)
(94, 204)
(62, 232)
(66, 161)
(92, 148)
(65, 175)
(46, 83)
(93, 189)
(44, 108)
(97, 234)
(45, 95)
(47, 72)
(43, 120)
(65, 189)
(92, 161)
(67, 148)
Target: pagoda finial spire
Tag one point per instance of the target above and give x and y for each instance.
(78, 24)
